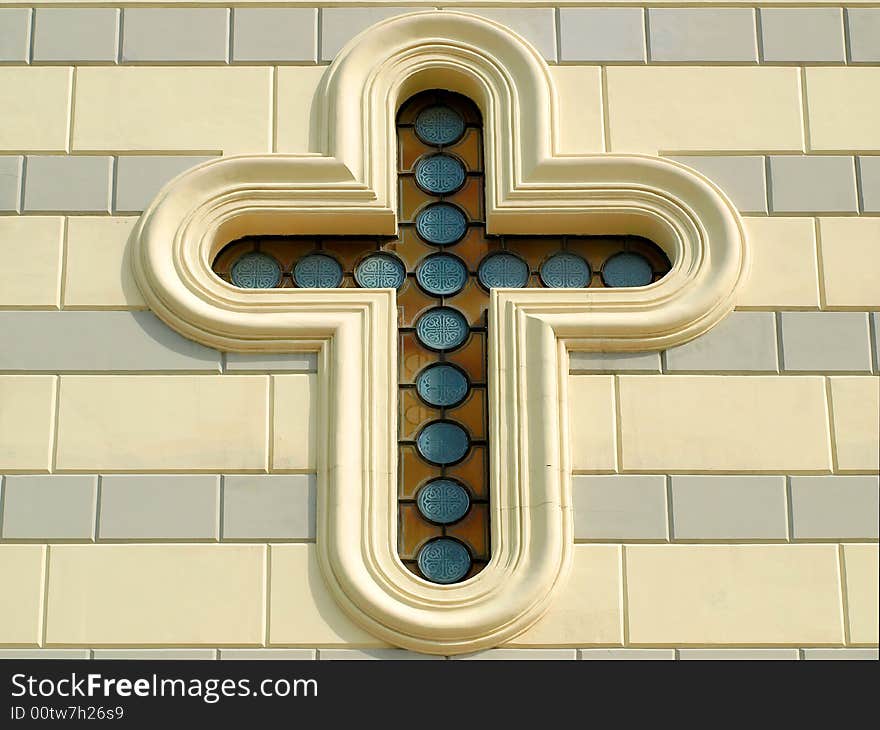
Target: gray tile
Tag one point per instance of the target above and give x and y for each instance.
(340, 25)
(813, 184)
(175, 34)
(360, 654)
(140, 177)
(864, 34)
(618, 507)
(741, 342)
(272, 362)
(270, 654)
(802, 34)
(869, 177)
(702, 34)
(15, 30)
(841, 654)
(750, 654)
(141, 654)
(159, 507)
(638, 654)
(49, 507)
(269, 507)
(825, 342)
(740, 177)
(601, 34)
(44, 654)
(611, 362)
(95, 341)
(728, 508)
(542, 654)
(60, 183)
(536, 25)
(275, 34)
(835, 507)
(10, 183)
(76, 34)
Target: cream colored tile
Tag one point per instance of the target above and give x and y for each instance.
(36, 106)
(851, 261)
(588, 608)
(580, 108)
(861, 567)
(592, 422)
(783, 264)
(724, 423)
(293, 118)
(30, 260)
(843, 108)
(295, 428)
(302, 612)
(855, 403)
(661, 108)
(156, 595)
(166, 422)
(27, 413)
(98, 271)
(186, 109)
(21, 611)
(733, 594)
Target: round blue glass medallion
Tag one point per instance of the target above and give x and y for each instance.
(256, 271)
(442, 274)
(442, 442)
(503, 270)
(443, 501)
(565, 271)
(441, 224)
(627, 269)
(442, 385)
(317, 271)
(439, 125)
(442, 328)
(444, 560)
(439, 174)
(380, 271)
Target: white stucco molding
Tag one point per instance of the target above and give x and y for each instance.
(349, 188)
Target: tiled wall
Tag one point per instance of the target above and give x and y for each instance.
(157, 493)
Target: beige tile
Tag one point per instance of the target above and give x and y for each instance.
(733, 594)
(185, 109)
(30, 261)
(661, 108)
(861, 568)
(21, 612)
(27, 413)
(724, 423)
(843, 108)
(580, 108)
(36, 106)
(591, 422)
(295, 427)
(164, 422)
(588, 608)
(855, 403)
(293, 117)
(156, 595)
(302, 612)
(851, 261)
(98, 271)
(783, 264)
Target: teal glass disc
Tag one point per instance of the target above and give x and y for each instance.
(256, 271)
(444, 560)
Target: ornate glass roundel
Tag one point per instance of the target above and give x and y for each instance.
(442, 274)
(439, 125)
(317, 271)
(627, 269)
(380, 271)
(503, 270)
(442, 328)
(444, 560)
(441, 224)
(439, 174)
(443, 501)
(442, 442)
(256, 271)
(565, 271)
(442, 385)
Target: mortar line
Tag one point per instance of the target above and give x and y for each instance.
(120, 29)
(789, 509)
(847, 49)
(832, 436)
(624, 600)
(54, 435)
(31, 30)
(780, 353)
(44, 623)
(24, 166)
(802, 84)
(669, 521)
(98, 497)
(220, 504)
(759, 34)
(319, 27)
(3, 487)
(606, 112)
(557, 27)
(267, 595)
(618, 430)
(844, 600)
(820, 266)
(647, 31)
(72, 115)
(230, 25)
